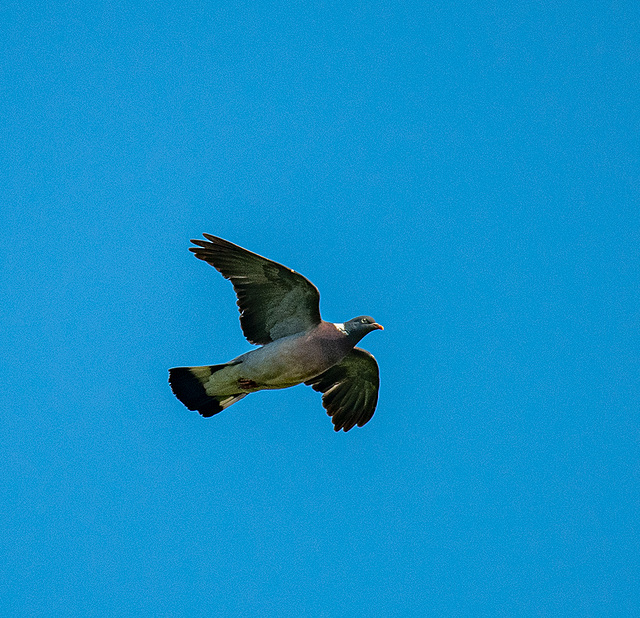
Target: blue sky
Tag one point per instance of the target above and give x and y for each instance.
(466, 173)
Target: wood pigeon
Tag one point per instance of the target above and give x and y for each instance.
(280, 312)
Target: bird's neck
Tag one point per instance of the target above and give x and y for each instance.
(352, 337)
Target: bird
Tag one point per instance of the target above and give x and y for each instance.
(280, 312)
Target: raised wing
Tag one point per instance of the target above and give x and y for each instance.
(274, 301)
(350, 389)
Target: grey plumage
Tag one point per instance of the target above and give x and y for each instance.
(280, 311)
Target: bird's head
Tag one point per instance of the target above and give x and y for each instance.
(357, 328)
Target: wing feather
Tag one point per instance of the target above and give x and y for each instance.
(274, 301)
(350, 389)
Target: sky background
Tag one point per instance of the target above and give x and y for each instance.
(466, 173)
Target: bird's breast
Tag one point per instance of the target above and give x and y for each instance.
(292, 360)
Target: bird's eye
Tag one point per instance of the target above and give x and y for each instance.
(364, 320)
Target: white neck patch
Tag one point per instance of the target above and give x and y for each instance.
(341, 328)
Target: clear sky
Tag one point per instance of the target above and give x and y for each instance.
(467, 173)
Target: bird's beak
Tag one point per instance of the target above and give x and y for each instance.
(378, 326)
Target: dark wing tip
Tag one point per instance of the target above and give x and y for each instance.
(200, 243)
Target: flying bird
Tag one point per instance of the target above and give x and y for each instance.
(280, 312)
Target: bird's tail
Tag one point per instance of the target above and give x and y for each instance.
(188, 385)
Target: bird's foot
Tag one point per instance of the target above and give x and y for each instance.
(247, 384)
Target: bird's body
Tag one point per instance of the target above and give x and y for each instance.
(293, 359)
(280, 310)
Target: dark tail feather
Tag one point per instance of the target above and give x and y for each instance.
(187, 384)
